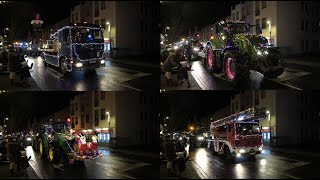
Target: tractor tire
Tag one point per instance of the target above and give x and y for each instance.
(51, 154)
(235, 72)
(42, 150)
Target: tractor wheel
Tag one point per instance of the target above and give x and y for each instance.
(210, 60)
(42, 149)
(51, 154)
(235, 72)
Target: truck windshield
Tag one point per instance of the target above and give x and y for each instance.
(258, 41)
(85, 35)
(247, 128)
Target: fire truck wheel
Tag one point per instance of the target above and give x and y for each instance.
(227, 153)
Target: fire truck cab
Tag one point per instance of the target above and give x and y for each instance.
(238, 135)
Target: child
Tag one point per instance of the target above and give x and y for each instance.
(183, 73)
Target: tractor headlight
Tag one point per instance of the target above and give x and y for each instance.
(241, 151)
(238, 155)
(29, 138)
(102, 61)
(259, 53)
(79, 65)
(260, 148)
(195, 49)
(200, 138)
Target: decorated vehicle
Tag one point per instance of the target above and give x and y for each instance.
(236, 51)
(76, 47)
(238, 135)
(58, 143)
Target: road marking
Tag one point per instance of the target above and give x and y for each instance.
(294, 75)
(36, 170)
(199, 82)
(294, 165)
(288, 85)
(115, 170)
(135, 166)
(202, 174)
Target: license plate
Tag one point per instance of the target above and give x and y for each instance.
(92, 62)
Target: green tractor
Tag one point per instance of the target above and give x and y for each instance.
(235, 51)
(58, 145)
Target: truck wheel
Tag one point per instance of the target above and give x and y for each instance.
(63, 66)
(41, 149)
(234, 71)
(227, 153)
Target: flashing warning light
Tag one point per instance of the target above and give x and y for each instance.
(68, 120)
(198, 35)
(211, 37)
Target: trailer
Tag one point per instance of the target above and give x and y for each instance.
(238, 135)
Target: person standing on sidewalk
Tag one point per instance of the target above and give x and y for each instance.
(183, 73)
(170, 153)
(171, 61)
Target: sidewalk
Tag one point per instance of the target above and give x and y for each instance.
(137, 61)
(189, 173)
(132, 152)
(4, 173)
(5, 84)
(193, 83)
(294, 150)
(312, 61)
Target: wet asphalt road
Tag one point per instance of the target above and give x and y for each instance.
(113, 77)
(268, 165)
(110, 165)
(295, 77)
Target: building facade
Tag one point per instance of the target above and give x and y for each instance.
(293, 118)
(294, 25)
(132, 116)
(131, 27)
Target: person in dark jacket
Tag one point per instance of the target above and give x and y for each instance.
(183, 73)
(170, 153)
(171, 61)
(14, 60)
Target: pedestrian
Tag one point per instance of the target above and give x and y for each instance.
(13, 63)
(18, 158)
(183, 73)
(11, 150)
(171, 62)
(170, 154)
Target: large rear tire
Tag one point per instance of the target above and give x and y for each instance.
(235, 72)
(42, 149)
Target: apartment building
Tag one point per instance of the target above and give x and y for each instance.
(294, 116)
(130, 26)
(132, 116)
(209, 31)
(294, 25)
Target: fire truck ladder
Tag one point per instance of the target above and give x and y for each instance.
(246, 115)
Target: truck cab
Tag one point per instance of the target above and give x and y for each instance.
(76, 47)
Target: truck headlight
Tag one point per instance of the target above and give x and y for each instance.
(29, 138)
(200, 138)
(241, 151)
(79, 65)
(102, 61)
(259, 53)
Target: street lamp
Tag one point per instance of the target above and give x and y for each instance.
(269, 22)
(269, 119)
(108, 114)
(109, 31)
(4, 122)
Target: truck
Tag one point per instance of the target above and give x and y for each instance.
(236, 51)
(76, 47)
(238, 135)
(58, 143)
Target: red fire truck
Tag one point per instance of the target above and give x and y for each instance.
(238, 135)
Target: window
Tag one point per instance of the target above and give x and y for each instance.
(82, 121)
(302, 46)
(76, 123)
(82, 108)
(237, 16)
(248, 10)
(72, 109)
(96, 9)
(301, 116)
(306, 6)
(96, 22)
(302, 25)
(307, 45)
(103, 5)
(302, 6)
(307, 24)
(87, 118)
(145, 27)
(72, 17)
(103, 22)
(87, 12)
(264, 23)
(232, 108)
(233, 17)
(103, 113)
(146, 43)
(96, 99)
(236, 106)
(96, 117)
(263, 4)
(76, 107)
(263, 94)
(257, 8)
(76, 16)
(257, 25)
(141, 44)
(243, 13)
(256, 98)
(102, 95)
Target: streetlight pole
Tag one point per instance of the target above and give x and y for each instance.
(4, 123)
(109, 31)
(269, 22)
(108, 113)
(269, 119)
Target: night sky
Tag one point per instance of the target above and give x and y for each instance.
(26, 105)
(198, 13)
(22, 12)
(187, 106)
